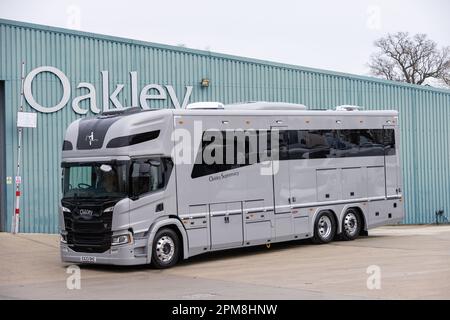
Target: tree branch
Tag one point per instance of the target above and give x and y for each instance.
(410, 59)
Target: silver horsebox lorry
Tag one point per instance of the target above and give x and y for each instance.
(157, 186)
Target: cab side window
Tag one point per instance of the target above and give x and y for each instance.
(149, 175)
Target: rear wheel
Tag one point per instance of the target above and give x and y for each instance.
(351, 225)
(166, 249)
(324, 228)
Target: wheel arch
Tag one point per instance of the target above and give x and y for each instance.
(172, 223)
(361, 214)
(319, 211)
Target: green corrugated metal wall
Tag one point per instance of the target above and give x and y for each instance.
(424, 112)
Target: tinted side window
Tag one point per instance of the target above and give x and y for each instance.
(283, 145)
(298, 144)
(233, 149)
(236, 149)
(211, 155)
(293, 144)
(314, 144)
(348, 143)
(319, 143)
(371, 142)
(148, 175)
(200, 167)
(389, 142)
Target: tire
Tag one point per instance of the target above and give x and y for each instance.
(165, 249)
(351, 225)
(324, 228)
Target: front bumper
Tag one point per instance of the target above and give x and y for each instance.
(125, 255)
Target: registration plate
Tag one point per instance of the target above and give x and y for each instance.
(88, 259)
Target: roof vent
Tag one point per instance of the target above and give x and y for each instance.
(264, 105)
(348, 108)
(204, 105)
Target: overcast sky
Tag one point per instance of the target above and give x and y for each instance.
(333, 35)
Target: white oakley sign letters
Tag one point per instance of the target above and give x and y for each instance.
(149, 92)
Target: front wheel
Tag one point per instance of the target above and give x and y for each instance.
(324, 228)
(166, 249)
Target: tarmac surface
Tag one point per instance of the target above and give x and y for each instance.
(395, 262)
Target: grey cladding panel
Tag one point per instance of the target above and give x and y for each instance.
(327, 185)
(353, 183)
(375, 181)
(301, 225)
(258, 231)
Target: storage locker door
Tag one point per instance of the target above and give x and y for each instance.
(226, 225)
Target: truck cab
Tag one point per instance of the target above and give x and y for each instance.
(118, 185)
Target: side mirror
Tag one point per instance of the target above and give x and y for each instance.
(154, 163)
(144, 168)
(106, 168)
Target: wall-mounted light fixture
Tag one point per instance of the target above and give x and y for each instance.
(205, 82)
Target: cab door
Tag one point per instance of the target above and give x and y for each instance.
(154, 191)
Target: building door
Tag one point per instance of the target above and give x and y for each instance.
(2, 159)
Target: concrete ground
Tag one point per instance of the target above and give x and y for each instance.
(413, 262)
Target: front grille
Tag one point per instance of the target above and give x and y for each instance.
(90, 233)
(89, 242)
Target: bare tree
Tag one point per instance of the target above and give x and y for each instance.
(411, 59)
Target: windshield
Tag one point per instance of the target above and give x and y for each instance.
(95, 180)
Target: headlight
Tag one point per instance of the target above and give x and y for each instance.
(64, 209)
(122, 239)
(63, 236)
(110, 209)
